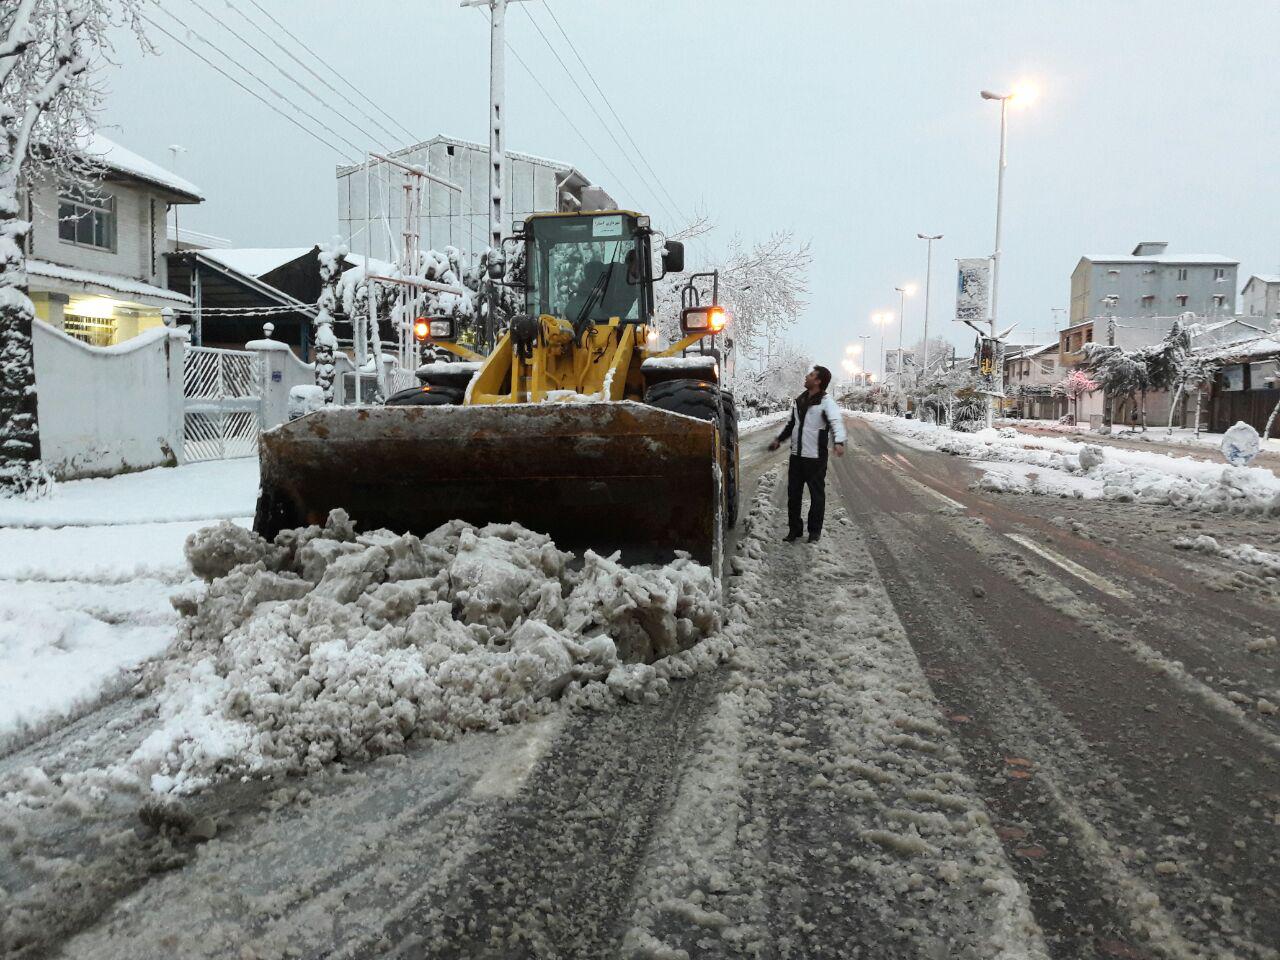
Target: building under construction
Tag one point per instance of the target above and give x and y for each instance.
(454, 213)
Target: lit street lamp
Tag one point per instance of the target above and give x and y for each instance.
(1023, 94)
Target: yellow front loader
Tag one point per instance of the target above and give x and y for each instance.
(572, 425)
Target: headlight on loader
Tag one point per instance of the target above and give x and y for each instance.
(432, 328)
(710, 319)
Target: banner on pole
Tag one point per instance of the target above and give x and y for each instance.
(973, 285)
(990, 354)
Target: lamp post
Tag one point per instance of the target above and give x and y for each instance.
(880, 319)
(904, 291)
(1024, 94)
(928, 283)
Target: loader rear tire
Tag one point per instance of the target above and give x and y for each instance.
(704, 400)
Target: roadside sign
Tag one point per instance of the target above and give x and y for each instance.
(990, 354)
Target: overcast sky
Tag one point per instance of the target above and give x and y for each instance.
(854, 125)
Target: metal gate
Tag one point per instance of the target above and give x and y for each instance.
(223, 403)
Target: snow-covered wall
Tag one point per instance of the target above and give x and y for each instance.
(106, 410)
(281, 372)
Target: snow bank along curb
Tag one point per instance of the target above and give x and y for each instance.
(1111, 473)
(825, 713)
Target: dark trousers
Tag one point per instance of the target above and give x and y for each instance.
(808, 472)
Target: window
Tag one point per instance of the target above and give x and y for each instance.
(1233, 377)
(1182, 273)
(1047, 366)
(1182, 299)
(1218, 299)
(1219, 273)
(95, 331)
(87, 217)
(1148, 300)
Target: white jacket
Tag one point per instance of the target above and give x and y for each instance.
(821, 418)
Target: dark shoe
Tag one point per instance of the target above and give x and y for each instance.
(815, 537)
(791, 537)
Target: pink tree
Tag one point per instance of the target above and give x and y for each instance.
(1074, 386)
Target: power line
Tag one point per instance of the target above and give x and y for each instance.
(279, 69)
(248, 90)
(621, 149)
(412, 137)
(314, 119)
(573, 126)
(607, 103)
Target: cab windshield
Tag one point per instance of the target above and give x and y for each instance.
(584, 269)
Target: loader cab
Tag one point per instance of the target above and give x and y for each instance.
(589, 267)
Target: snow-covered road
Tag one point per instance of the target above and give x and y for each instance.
(967, 724)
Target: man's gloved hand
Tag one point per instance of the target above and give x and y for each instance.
(775, 445)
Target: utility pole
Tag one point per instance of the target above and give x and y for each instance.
(497, 148)
(928, 282)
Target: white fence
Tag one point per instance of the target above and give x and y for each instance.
(107, 410)
(222, 409)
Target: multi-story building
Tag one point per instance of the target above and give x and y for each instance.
(1261, 297)
(95, 252)
(447, 217)
(1152, 283)
(1029, 376)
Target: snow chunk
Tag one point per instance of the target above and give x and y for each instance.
(331, 645)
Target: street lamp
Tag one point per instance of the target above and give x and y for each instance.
(1023, 94)
(880, 320)
(928, 283)
(904, 291)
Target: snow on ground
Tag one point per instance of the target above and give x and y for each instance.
(1180, 437)
(85, 579)
(1050, 465)
(216, 490)
(826, 768)
(326, 645)
(778, 418)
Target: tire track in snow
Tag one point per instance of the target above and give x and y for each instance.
(823, 815)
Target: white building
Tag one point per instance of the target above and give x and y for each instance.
(95, 252)
(448, 217)
(1151, 282)
(1261, 297)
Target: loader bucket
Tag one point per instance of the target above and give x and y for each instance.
(616, 475)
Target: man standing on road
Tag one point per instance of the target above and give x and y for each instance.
(814, 418)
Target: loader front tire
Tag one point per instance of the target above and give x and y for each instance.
(426, 396)
(705, 400)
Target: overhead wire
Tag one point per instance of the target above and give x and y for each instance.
(276, 66)
(616, 142)
(607, 103)
(249, 90)
(547, 93)
(314, 119)
(412, 137)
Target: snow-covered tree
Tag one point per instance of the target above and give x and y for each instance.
(1074, 386)
(330, 257)
(763, 287)
(771, 386)
(47, 107)
(1120, 373)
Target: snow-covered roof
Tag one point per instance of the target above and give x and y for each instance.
(1267, 278)
(1246, 349)
(255, 261)
(1212, 259)
(111, 155)
(106, 281)
(194, 238)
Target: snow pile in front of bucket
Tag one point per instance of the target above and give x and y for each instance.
(331, 645)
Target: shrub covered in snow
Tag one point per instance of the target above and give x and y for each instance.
(327, 644)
